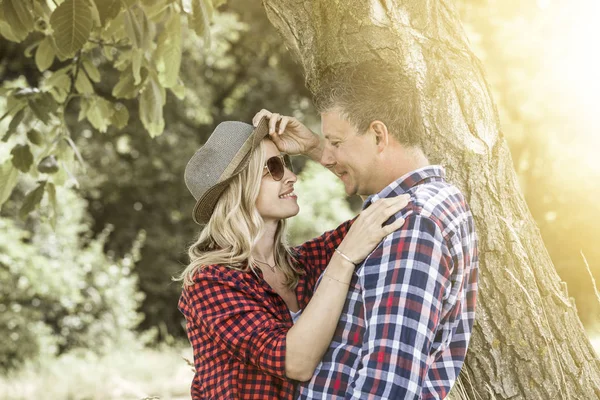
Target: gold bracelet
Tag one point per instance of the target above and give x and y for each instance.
(337, 280)
(345, 257)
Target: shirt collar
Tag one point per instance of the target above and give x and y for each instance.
(407, 181)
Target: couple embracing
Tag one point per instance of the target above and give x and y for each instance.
(382, 307)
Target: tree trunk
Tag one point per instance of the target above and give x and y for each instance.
(528, 342)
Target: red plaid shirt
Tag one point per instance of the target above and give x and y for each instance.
(237, 325)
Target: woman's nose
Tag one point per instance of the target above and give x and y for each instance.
(290, 176)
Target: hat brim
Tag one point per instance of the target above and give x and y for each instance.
(205, 205)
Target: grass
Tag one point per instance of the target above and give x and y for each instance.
(123, 374)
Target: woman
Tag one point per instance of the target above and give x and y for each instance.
(244, 287)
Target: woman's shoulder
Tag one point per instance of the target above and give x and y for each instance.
(214, 287)
(222, 273)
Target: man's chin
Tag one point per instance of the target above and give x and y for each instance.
(350, 190)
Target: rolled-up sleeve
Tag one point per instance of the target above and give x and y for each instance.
(237, 319)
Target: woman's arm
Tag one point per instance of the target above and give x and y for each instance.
(315, 254)
(310, 336)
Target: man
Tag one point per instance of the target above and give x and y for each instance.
(410, 309)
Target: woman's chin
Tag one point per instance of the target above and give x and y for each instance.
(291, 214)
(283, 214)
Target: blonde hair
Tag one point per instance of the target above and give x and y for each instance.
(236, 226)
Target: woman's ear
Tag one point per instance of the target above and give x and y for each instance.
(381, 134)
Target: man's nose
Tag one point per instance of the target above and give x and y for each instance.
(327, 159)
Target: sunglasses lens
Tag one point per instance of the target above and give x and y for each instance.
(275, 167)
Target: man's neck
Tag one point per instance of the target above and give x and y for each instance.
(396, 164)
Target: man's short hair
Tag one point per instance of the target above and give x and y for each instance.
(373, 91)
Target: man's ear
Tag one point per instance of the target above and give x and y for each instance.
(381, 134)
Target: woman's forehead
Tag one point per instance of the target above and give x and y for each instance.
(270, 148)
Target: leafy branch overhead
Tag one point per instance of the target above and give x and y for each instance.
(72, 42)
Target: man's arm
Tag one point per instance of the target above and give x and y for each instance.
(404, 283)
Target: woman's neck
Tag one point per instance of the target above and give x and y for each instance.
(263, 251)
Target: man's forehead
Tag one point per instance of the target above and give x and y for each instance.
(333, 128)
(330, 136)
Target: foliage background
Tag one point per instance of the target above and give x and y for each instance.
(86, 261)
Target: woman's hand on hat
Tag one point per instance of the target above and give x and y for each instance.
(289, 135)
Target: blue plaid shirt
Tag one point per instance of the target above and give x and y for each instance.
(407, 320)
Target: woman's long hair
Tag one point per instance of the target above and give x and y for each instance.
(236, 226)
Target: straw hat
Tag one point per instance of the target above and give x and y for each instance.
(225, 154)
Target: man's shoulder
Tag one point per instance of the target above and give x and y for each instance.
(432, 197)
(441, 202)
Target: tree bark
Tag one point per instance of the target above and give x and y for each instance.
(528, 342)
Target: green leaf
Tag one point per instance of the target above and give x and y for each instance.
(115, 29)
(91, 70)
(179, 90)
(155, 9)
(41, 11)
(121, 116)
(83, 84)
(202, 11)
(22, 157)
(51, 190)
(48, 165)
(137, 27)
(43, 106)
(14, 124)
(108, 9)
(32, 199)
(44, 56)
(152, 100)
(56, 79)
(126, 87)
(35, 137)
(100, 113)
(60, 83)
(24, 10)
(168, 52)
(6, 31)
(59, 93)
(8, 180)
(136, 65)
(15, 103)
(95, 14)
(17, 14)
(72, 24)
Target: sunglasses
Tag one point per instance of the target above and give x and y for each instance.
(276, 166)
